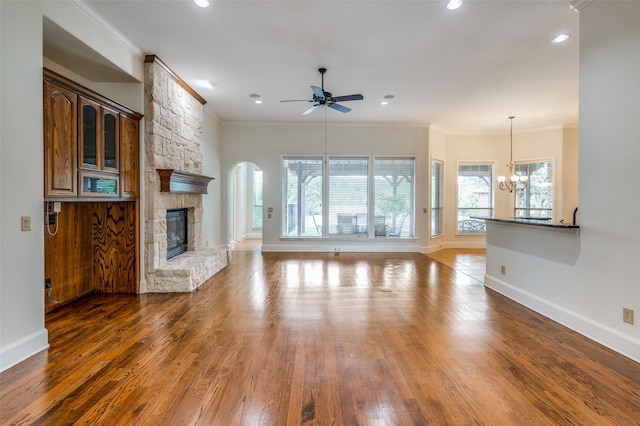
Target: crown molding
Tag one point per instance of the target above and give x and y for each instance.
(153, 59)
(109, 28)
(578, 5)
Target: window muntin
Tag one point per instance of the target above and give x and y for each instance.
(303, 197)
(535, 200)
(394, 197)
(475, 197)
(437, 183)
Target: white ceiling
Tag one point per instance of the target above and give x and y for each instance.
(465, 71)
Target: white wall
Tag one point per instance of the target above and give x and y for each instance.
(584, 281)
(211, 205)
(22, 331)
(472, 148)
(265, 145)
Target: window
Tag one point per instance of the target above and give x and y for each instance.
(437, 170)
(394, 197)
(351, 184)
(475, 197)
(536, 198)
(348, 195)
(257, 198)
(303, 197)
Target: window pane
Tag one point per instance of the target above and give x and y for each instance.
(303, 197)
(536, 198)
(257, 198)
(394, 197)
(436, 197)
(348, 195)
(475, 197)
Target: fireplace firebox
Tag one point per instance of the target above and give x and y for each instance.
(177, 232)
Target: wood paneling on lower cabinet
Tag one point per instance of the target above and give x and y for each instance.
(68, 255)
(114, 247)
(94, 250)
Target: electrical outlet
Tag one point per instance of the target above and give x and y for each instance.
(50, 219)
(627, 315)
(503, 270)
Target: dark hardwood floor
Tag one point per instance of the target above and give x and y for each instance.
(309, 338)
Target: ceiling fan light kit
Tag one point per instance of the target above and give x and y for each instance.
(324, 98)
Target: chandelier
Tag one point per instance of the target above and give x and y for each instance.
(515, 181)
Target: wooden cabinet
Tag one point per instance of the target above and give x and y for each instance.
(98, 135)
(91, 143)
(92, 166)
(60, 141)
(129, 156)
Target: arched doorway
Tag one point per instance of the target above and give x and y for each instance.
(245, 206)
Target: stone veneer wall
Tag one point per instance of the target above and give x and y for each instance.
(173, 140)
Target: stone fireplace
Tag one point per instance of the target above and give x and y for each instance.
(173, 140)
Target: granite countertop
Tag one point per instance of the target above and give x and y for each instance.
(531, 221)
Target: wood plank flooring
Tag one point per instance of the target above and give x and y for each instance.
(319, 339)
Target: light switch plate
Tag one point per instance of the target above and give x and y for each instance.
(25, 223)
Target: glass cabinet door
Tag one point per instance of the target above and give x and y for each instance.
(88, 134)
(110, 127)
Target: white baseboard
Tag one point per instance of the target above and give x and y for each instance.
(24, 348)
(346, 247)
(464, 245)
(603, 334)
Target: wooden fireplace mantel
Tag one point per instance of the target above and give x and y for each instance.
(177, 181)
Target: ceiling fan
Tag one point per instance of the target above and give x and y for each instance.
(320, 97)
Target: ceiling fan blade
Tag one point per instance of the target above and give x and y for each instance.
(311, 109)
(296, 100)
(357, 97)
(318, 92)
(338, 107)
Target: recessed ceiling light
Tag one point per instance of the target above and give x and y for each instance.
(560, 38)
(384, 103)
(207, 84)
(202, 3)
(454, 4)
(258, 101)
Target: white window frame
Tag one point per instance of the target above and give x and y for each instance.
(370, 226)
(516, 192)
(493, 186)
(440, 207)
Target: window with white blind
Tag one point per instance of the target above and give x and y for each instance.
(257, 199)
(302, 178)
(394, 197)
(535, 199)
(437, 176)
(348, 196)
(364, 197)
(475, 197)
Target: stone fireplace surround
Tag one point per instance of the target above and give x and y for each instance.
(173, 140)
